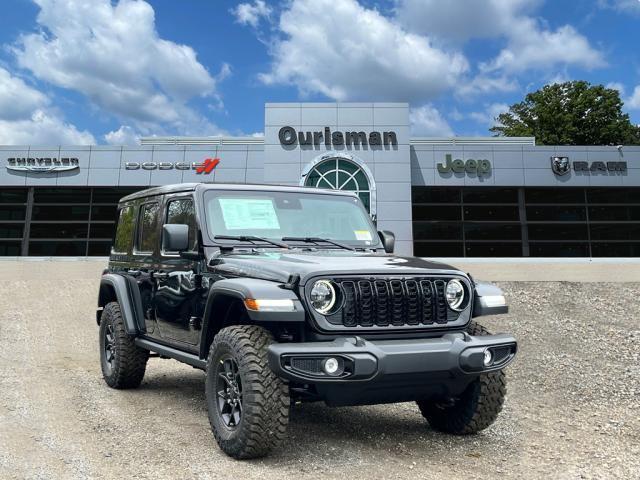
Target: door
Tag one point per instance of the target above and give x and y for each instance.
(179, 297)
(145, 254)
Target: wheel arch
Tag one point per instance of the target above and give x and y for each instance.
(225, 307)
(118, 288)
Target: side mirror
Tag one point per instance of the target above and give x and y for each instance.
(388, 240)
(175, 237)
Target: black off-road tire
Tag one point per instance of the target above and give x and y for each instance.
(126, 368)
(265, 397)
(477, 407)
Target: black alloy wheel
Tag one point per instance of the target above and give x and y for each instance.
(109, 348)
(123, 363)
(229, 391)
(248, 404)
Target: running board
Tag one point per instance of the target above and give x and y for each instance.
(184, 357)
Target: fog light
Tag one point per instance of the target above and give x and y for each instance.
(331, 366)
(488, 357)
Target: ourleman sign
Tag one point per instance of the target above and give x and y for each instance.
(42, 164)
(288, 136)
(562, 166)
(470, 166)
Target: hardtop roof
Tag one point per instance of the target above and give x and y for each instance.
(189, 187)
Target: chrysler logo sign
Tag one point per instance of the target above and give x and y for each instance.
(42, 164)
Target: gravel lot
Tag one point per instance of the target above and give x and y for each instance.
(573, 408)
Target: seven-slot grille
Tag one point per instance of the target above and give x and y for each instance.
(392, 302)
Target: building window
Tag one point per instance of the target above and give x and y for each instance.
(540, 222)
(341, 174)
(469, 221)
(59, 220)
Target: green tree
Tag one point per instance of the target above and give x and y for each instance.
(570, 113)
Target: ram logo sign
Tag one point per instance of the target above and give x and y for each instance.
(562, 166)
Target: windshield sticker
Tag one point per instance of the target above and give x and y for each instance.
(248, 214)
(363, 235)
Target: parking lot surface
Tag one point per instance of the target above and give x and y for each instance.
(572, 411)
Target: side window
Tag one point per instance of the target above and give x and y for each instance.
(147, 228)
(181, 211)
(124, 232)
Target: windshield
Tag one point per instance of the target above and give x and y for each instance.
(275, 215)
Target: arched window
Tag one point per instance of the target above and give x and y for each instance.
(340, 174)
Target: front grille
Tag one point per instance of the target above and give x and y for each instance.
(394, 302)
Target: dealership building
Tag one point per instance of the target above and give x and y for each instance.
(442, 197)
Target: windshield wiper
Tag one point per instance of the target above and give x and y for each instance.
(252, 239)
(317, 240)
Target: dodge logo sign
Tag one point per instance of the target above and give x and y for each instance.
(205, 167)
(560, 165)
(42, 164)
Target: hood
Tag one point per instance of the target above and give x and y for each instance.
(278, 265)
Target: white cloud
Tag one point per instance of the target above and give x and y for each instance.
(17, 99)
(25, 117)
(462, 20)
(486, 84)
(44, 129)
(633, 101)
(489, 116)
(616, 86)
(530, 45)
(112, 54)
(625, 6)
(345, 51)
(427, 121)
(125, 135)
(248, 14)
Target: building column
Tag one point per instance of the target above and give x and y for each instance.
(27, 223)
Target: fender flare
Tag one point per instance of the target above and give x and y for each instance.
(488, 300)
(243, 288)
(127, 296)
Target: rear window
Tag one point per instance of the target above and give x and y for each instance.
(124, 232)
(148, 228)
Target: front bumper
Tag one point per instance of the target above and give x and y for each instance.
(391, 370)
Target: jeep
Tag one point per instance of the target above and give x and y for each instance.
(284, 295)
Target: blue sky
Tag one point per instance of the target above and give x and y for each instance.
(100, 71)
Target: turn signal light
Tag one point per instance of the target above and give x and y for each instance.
(270, 305)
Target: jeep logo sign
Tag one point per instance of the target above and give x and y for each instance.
(42, 164)
(470, 166)
(288, 136)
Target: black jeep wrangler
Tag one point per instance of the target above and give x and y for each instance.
(285, 295)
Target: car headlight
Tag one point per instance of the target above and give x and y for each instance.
(455, 294)
(323, 296)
